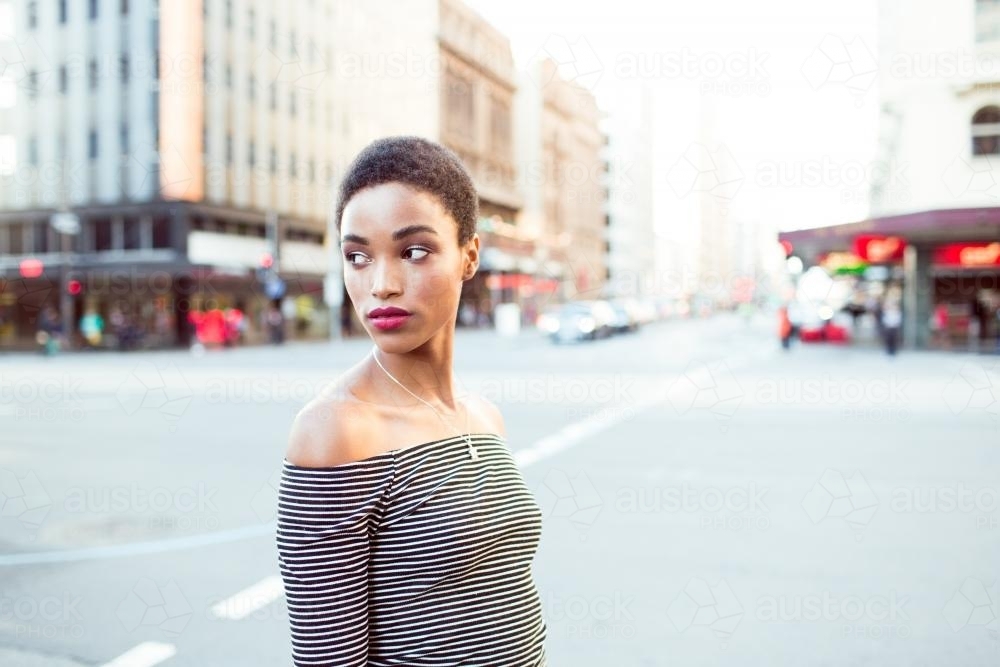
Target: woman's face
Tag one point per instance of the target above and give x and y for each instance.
(400, 250)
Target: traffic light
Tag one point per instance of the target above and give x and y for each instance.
(74, 287)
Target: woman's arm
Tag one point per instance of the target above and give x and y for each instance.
(325, 511)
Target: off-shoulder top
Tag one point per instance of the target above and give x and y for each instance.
(417, 556)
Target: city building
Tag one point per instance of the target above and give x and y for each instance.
(164, 159)
(934, 224)
(562, 154)
(632, 240)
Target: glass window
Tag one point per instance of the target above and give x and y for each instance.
(986, 131)
(102, 234)
(132, 234)
(92, 145)
(93, 9)
(161, 231)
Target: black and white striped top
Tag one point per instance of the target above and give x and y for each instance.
(418, 556)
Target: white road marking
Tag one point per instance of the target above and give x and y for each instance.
(136, 548)
(250, 599)
(144, 655)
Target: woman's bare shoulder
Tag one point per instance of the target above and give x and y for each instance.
(331, 429)
(489, 413)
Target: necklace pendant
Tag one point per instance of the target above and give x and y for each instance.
(474, 452)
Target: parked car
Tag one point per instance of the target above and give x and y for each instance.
(577, 320)
(626, 316)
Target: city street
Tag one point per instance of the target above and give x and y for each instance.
(709, 498)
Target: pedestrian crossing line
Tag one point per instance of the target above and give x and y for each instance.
(250, 599)
(573, 434)
(144, 655)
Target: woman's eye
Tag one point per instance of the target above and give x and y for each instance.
(349, 255)
(418, 249)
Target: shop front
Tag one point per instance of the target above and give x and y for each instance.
(946, 262)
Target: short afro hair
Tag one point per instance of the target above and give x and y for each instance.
(421, 164)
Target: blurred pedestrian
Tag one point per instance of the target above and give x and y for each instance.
(276, 325)
(92, 328)
(784, 327)
(892, 321)
(50, 330)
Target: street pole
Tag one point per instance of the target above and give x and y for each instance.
(333, 282)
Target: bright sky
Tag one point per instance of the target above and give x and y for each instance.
(781, 105)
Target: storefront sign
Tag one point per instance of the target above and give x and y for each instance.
(878, 249)
(968, 254)
(842, 262)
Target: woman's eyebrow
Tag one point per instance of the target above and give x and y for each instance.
(396, 235)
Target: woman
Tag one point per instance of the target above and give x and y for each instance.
(403, 538)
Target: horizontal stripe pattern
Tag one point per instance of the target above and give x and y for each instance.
(419, 556)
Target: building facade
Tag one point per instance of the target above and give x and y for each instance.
(934, 226)
(189, 142)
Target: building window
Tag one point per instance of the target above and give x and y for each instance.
(33, 151)
(987, 20)
(15, 239)
(124, 8)
(132, 234)
(291, 165)
(124, 138)
(32, 11)
(273, 94)
(229, 75)
(32, 84)
(229, 149)
(229, 14)
(460, 109)
(92, 145)
(273, 35)
(291, 103)
(63, 79)
(102, 234)
(274, 161)
(252, 87)
(312, 171)
(92, 74)
(500, 127)
(123, 66)
(986, 131)
(62, 11)
(93, 9)
(251, 22)
(41, 238)
(161, 232)
(251, 154)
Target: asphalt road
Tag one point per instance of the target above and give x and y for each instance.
(708, 498)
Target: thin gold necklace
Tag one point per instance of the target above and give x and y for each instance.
(467, 435)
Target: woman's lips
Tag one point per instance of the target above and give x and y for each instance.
(388, 322)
